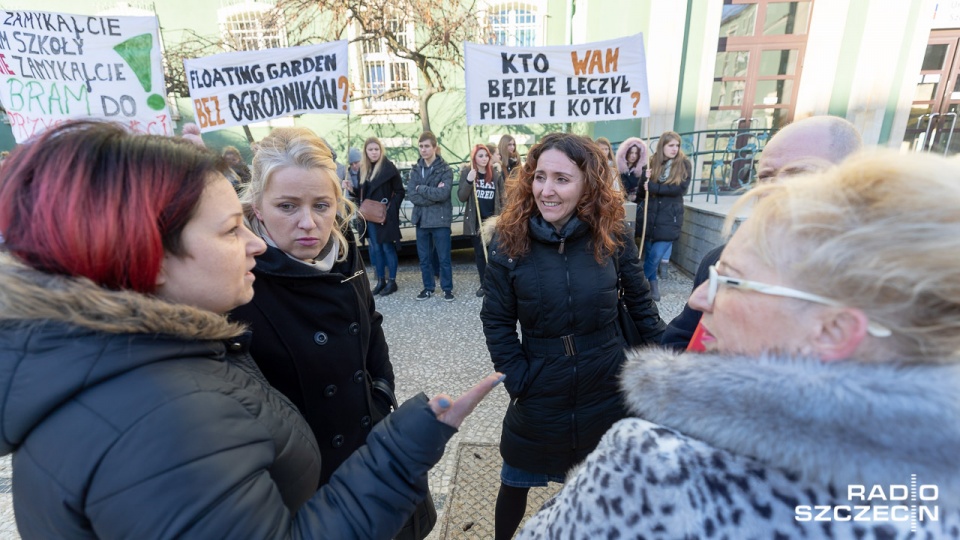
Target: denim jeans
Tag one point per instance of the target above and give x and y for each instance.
(652, 255)
(427, 239)
(383, 256)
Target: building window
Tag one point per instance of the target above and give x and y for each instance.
(513, 24)
(252, 26)
(389, 83)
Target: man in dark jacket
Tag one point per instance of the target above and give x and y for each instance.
(812, 143)
(431, 181)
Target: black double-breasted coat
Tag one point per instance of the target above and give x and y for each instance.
(317, 337)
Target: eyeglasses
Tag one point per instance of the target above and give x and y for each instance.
(874, 329)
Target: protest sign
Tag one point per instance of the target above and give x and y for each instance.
(605, 80)
(58, 66)
(239, 88)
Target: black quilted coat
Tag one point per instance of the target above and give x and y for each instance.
(560, 405)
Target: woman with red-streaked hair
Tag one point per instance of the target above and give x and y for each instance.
(482, 192)
(131, 405)
(558, 252)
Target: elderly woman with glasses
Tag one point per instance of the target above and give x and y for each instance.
(827, 402)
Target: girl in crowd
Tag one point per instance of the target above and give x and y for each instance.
(554, 260)
(833, 335)
(131, 405)
(317, 335)
(508, 155)
(380, 180)
(481, 189)
(632, 165)
(607, 148)
(667, 181)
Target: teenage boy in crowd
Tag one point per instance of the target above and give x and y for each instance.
(431, 180)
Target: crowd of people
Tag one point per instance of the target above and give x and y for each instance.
(191, 347)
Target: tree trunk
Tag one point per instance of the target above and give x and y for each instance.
(424, 111)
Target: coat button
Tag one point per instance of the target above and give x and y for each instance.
(236, 346)
(358, 376)
(337, 441)
(354, 328)
(510, 260)
(494, 252)
(320, 338)
(330, 391)
(365, 422)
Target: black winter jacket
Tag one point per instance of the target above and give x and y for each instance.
(665, 215)
(561, 405)
(317, 337)
(386, 185)
(131, 417)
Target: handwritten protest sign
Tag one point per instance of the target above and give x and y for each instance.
(239, 88)
(605, 80)
(57, 66)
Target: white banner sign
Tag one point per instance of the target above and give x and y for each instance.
(58, 66)
(605, 80)
(239, 88)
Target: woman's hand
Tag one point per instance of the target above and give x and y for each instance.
(452, 412)
(472, 175)
(646, 184)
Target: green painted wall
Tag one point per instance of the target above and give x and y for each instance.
(692, 62)
(849, 53)
(894, 97)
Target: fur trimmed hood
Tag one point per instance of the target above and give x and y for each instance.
(839, 422)
(34, 297)
(622, 156)
(62, 335)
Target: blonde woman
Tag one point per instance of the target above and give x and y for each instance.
(380, 181)
(314, 322)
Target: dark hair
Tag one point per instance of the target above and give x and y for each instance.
(599, 206)
(90, 199)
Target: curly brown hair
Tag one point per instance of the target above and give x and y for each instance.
(600, 206)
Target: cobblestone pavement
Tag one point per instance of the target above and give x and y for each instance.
(438, 346)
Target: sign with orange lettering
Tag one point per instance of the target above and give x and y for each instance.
(605, 80)
(57, 66)
(240, 88)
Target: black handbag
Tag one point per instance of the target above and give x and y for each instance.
(424, 517)
(627, 327)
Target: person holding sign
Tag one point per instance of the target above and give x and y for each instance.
(429, 187)
(559, 254)
(632, 166)
(667, 181)
(481, 188)
(131, 404)
(380, 181)
(508, 154)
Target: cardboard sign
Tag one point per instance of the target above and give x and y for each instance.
(58, 66)
(239, 88)
(605, 80)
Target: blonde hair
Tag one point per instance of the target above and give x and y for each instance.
(879, 232)
(296, 147)
(368, 169)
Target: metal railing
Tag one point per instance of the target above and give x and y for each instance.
(724, 160)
